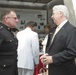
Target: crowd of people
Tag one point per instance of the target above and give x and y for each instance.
(19, 50)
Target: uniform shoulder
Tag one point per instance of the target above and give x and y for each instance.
(1, 27)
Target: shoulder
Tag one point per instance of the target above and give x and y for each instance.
(35, 33)
(71, 27)
(2, 30)
(20, 32)
(1, 27)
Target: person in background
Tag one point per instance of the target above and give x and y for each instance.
(8, 43)
(62, 47)
(28, 49)
(44, 42)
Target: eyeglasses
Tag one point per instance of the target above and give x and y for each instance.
(13, 18)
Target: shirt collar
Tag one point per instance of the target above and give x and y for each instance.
(28, 28)
(62, 24)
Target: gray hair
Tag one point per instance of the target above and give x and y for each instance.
(6, 12)
(63, 9)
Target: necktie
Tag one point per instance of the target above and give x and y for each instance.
(57, 29)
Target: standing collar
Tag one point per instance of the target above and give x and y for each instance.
(4, 26)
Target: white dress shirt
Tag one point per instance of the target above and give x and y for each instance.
(44, 42)
(57, 29)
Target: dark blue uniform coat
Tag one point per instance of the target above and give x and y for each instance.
(8, 53)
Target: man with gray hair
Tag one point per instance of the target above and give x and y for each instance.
(61, 51)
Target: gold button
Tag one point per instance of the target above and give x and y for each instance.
(4, 65)
(1, 27)
(16, 43)
(10, 40)
(8, 28)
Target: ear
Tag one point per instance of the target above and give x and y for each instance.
(61, 13)
(6, 19)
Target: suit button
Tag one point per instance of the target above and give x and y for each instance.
(10, 40)
(16, 43)
(1, 27)
(4, 65)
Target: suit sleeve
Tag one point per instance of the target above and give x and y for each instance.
(35, 48)
(69, 51)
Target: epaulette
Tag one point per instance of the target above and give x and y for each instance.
(1, 27)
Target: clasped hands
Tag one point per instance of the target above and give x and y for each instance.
(46, 59)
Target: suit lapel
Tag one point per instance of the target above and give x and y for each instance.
(59, 33)
(49, 40)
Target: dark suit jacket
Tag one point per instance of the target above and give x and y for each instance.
(63, 51)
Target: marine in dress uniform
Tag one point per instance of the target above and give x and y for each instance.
(8, 53)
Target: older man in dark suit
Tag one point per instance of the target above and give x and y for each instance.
(61, 51)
